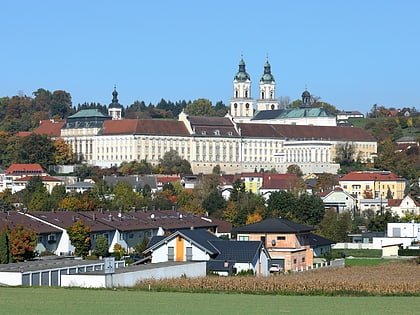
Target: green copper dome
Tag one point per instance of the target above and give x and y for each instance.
(242, 75)
(267, 77)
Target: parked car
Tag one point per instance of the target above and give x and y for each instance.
(275, 268)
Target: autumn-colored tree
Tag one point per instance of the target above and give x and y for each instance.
(22, 243)
(294, 169)
(253, 218)
(119, 251)
(63, 152)
(70, 204)
(79, 235)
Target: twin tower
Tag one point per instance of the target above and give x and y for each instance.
(242, 104)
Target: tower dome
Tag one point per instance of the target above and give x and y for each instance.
(267, 77)
(242, 75)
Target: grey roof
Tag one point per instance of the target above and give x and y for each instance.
(316, 240)
(274, 225)
(268, 114)
(136, 181)
(88, 113)
(240, 251)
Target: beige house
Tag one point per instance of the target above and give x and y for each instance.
(373, 185)
(287, 242)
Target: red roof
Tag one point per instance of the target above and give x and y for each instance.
(145, 126)
(51, 128)
(24, 168)
(279, 181)
(46, 178)
(305, 132)
(371, 176)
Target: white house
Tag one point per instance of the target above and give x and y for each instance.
(403, 206)
(222, 257)
(338, 199)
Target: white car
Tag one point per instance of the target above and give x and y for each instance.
(275, 268)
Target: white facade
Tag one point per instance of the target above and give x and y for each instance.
(410, 230)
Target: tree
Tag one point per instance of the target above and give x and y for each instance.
(200, 107)
(119, 251)
(100, 249)
(125, 198)
(294, 169)
(22, 243)
(5, 255)
(214, 202)
(35, 149)
(309, 209)
(281, 204)
(335, 226)
(63, 152)
(326, 181)
(60, 104)
(171, 163)
(344, 154)
(79, 235)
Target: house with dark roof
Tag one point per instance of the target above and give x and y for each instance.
(320, 245)
(287, 242)
(222, 256)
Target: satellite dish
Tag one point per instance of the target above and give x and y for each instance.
(180, 216)
(119, 214)
(152, 216)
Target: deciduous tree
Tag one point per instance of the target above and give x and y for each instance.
(79, 235)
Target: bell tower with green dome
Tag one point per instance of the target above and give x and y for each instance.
(267, 97)
(115, 108)
(242, 104)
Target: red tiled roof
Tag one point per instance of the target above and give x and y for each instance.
(305, 132)
(24, 133)
(279, 181)
(145, 126)
(51, 128)
(394, 202)
(46, 178)
(23, 168)
(371, 176)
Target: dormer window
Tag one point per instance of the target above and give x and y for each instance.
(203, 132)
(217, 132)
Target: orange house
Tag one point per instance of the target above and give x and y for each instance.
(287, 242)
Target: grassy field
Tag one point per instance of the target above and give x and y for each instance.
(64, 301)
(371, 253)
(366, 262)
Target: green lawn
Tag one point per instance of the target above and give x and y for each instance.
(365, 261)
(48, 301)
(369, 253)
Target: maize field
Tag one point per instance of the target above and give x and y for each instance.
(393, 278)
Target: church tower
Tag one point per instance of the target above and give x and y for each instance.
(241, 104)
(115, 108)
(267, 98)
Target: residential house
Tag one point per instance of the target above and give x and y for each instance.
(79, 187)
(277, 182)
(373, 185)
(320, 245)
(48, 181)
(222, 256)
(287, 242)
(338, 199)
(19, 171)
(401, 207)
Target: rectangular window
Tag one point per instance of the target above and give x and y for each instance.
(189, 254)
(243, 238)
(281, 238)
(171, 254)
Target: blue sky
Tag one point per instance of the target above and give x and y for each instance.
(352, 54)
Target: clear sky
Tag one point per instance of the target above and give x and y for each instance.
(352, 54)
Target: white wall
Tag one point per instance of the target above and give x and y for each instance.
(129, 279)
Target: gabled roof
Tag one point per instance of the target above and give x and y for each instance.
(371, 176)
(51, 128)
(136, 181)
(201, 238)
(268, 114)
(240, 251)
(274, 225)
(316, 240)
(46, 178)
(24, 168)
(11, 219)
(279, 181)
